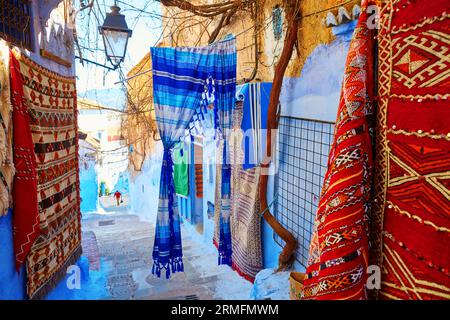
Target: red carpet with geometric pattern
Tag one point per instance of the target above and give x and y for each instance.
(411, 234)
(339, 248)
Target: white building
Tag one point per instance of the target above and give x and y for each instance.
(104, 124)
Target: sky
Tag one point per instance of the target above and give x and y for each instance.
(146, 27)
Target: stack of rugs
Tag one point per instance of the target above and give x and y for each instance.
(46, 211)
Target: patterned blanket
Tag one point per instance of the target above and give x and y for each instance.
(412, 207)
(198, 158)
(338, 256)
(51, 101)
(245, 218)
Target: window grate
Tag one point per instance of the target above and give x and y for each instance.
(303, 150)
(15, 22)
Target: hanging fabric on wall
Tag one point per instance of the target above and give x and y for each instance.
(256, 103)
(183, 79)
(6, 132)
(338, 256)
(51, 102)
(25, 213)
(181, 169)
(198, 158)
(411, 214)
(245, 218)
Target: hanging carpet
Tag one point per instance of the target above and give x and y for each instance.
(51, 102)
(198, 158)
(338, 256)
(411, 218)
(245, 218)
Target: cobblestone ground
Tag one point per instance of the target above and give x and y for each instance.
(125, 243)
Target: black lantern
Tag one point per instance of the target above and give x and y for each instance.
(115, 34)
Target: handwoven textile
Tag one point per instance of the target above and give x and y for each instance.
(245, 218)
(198, 158)
(254, 123)
(6, 132)
(181, 170)
(412, 188)
(51, 102)
(339, 249)
(25, 213)
(182, 77)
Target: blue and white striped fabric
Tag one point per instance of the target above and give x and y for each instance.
(180, 77)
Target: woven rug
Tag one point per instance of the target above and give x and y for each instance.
(6, 155)
(51, 101)
(339, 249)
(245, 218)
(25, 213)
(411, 219)
(198, 158)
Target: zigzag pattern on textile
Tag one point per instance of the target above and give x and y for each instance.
(51, 99)
(338, 256)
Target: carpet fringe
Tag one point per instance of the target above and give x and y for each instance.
(56, 278)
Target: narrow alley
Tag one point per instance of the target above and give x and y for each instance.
(119, 245)
(201, 150)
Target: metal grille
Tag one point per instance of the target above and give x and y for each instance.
(303, 151)
(15, 22)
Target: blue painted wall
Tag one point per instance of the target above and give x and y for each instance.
(314, 95)
(12, 284)
(89, 189)
(122, 183)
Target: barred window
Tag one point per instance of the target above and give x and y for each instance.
(15, 22)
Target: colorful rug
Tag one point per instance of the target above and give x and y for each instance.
(51, 101)
(6, 132)
(411, 216)
(245, 218)
(339, 249)
(25, 213)
(198, 158)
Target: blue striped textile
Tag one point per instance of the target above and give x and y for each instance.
(182, 78)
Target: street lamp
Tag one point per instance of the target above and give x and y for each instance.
(115, 35)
